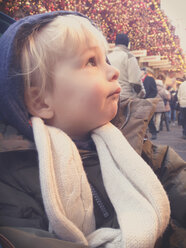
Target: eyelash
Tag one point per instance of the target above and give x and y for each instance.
(92, 61)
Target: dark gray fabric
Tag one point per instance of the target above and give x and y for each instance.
(29, 238)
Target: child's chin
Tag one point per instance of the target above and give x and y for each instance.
(111, 117)
(113, 113)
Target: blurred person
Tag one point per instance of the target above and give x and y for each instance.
(130, 73)
(182, 103)
(162, 95)
(151, 92)
(165, 114)
(178, 115)
(173, 101)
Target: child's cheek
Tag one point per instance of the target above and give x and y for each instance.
(96, 95)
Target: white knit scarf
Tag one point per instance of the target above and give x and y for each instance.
(138, 197)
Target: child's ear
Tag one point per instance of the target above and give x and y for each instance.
(39, 106)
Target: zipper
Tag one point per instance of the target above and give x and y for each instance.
(95, 194)
(87, 155)
(99, 202)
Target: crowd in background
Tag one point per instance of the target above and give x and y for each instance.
(139, 82)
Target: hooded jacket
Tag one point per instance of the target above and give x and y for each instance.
(14, 116)
(22, 216)
(13, 110)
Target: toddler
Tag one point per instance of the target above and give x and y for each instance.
(72, 176)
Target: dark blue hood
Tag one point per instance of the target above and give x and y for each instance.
(12, 107)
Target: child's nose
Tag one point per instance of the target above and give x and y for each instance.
(112, 73)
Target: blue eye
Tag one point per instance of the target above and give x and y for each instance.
(92, 61)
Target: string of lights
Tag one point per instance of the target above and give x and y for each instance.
(145, 23)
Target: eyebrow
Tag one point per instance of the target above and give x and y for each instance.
(89, 49)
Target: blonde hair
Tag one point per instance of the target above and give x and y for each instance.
(63, 37)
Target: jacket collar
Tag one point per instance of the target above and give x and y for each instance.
(121, 48)
(11, 140)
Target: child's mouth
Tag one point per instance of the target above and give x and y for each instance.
(116, 92)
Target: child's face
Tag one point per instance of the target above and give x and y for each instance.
(85, 94)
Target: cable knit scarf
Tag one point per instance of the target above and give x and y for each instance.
(138, 197)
